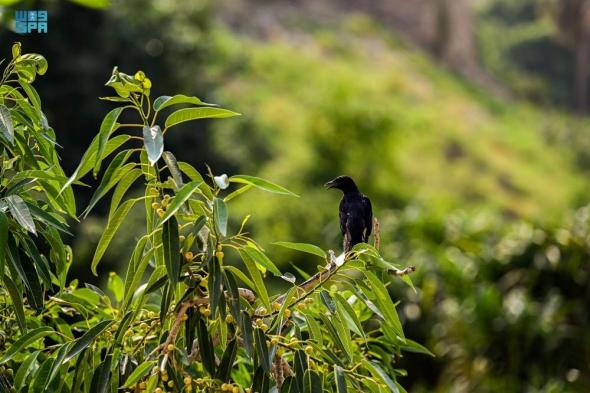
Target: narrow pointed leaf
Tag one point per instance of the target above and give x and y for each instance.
(180, 198)
(19, 210)
(171, 248)
(262, 349)
(6, 126)
(108, 126)
(139, 373)
(261, 184)
(303, 247)
(24, 341)
(166, 101)
(17, 302)
(3, 242)
(221, 215)
(110, 230)
(257, 280)
(340, 379)
(85, 340)
(206, 347)
(189, 114)
(227, 361)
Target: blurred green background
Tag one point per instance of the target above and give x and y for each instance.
(464, 121)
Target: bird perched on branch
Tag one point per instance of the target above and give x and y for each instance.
(356, 213)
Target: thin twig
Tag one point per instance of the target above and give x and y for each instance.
(403, 272)
(376, 236)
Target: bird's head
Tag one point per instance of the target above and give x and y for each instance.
(343, 183)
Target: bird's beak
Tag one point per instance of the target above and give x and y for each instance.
(330, 184)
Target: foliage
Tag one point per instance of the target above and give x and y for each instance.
(502, 303)
(33, 258)
(179, 320)
(408, 131)
(462, 183)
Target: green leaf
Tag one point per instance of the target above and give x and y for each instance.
(312, 382)
(257, 280)
(39, 382)
(189, 114)
(17, 302)
(303, 247)
(110, 230)
(413, 346)
(172, 165)
(48, 218)
(180, 199)
(90, 157)
(6, 126)
(122, 187)
(262, 349)
(193, 174)
(108, 126)
(139, 373)
(378, 372)
(115, 171)
(340, 379)
(166, 101)
(240, 274)
(261, 184)
(87, 338)
(100, 379)
(315, 332)
(20, 212)
(24, 341)
(261, 258)
(350, 315)
(206, 347)
(116, 286)
(153, 141)
(261, 381)
(27, 273)
(328, 301)
(171, 248)
(385, 303)
(247, 333)
(3, 242)
(227, 361)
(26, 367)
(220, 214)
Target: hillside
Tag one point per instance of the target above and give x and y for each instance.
(355, 100)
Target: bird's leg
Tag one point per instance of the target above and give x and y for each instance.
(346, 243)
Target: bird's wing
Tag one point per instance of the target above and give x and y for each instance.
(367, 218)
(343, 214)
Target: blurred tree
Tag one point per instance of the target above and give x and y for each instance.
(456, 41)
(574, 23)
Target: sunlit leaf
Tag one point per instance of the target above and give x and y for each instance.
(139, 372)
(166, 101)
(6, 125)
(303, 247)
(189, 114)
(108, 126)
(261, 184)
(221, 215)
(19, 210)
(110, 231)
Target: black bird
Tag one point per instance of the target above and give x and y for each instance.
(356, 213)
